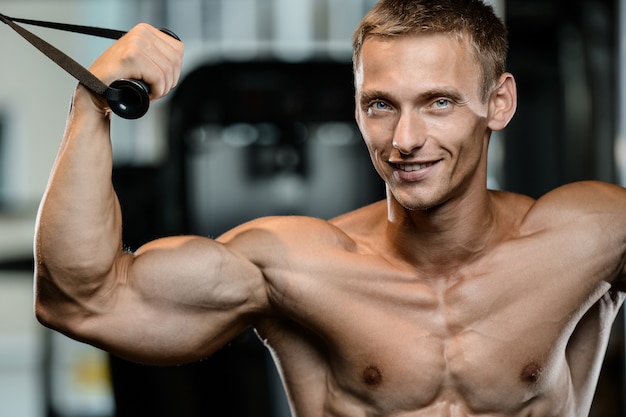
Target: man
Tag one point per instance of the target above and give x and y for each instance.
(444, 300)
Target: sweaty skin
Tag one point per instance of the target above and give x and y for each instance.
(445, 300)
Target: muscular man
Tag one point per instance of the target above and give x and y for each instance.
(446, 299)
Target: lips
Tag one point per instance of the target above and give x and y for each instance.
(414, 167)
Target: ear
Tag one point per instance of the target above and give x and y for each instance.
(503, 102)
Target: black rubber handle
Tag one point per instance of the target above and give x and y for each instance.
(130, 99)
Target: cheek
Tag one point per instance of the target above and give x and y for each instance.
(470, 153)
(373, 139)
(373, 151)
(377, 159)
(377, 129)
(469, 143)
(378, 144)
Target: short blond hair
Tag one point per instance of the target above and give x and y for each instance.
(464, 18)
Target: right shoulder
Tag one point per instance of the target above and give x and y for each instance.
(272, 239)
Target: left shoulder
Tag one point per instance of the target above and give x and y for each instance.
(587, 196)
(596, 200)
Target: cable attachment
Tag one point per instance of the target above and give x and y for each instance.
(129, 99)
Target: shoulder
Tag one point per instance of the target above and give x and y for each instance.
(586, 194)
(363, 221)
(290, 229)
(272, 238)
(587, 200)
(342, 231)
(280, 240)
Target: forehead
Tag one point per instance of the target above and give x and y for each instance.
(424, 59)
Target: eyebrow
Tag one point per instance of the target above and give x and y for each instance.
(450, 93)
(427, 95)
(373, 95)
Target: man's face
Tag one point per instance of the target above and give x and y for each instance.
(419, 108)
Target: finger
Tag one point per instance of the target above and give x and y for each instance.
(172, 51)
(157, 56)
(144, 53)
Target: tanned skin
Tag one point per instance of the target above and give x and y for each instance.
(445, 299)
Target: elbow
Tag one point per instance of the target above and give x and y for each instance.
(59, 311)
(42, 314)
(41, 294)
(73, 271)
(58, 304)
(77, 269)
(48, 300)
(71, 277)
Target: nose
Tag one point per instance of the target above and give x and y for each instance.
(409, 134)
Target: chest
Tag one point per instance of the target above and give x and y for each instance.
(486, 354)
(493, 336)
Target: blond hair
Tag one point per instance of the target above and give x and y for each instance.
(471, 19)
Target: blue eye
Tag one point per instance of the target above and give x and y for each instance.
(380, 105)
(441, 103)
(377, 107)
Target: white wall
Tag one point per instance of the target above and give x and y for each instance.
(33, 100)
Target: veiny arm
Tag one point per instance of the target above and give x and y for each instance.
(175, 299)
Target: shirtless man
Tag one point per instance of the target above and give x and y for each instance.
(446, 299)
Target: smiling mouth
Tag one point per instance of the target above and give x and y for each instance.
(414, 167)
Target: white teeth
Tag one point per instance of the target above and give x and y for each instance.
(414, 167)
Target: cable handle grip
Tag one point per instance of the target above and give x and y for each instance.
(128, 98)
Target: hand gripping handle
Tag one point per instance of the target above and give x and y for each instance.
(130, 99)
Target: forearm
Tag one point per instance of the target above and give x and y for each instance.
(86, 286)
(79, 229)
(78, 234)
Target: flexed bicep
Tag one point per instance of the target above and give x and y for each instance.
(175, 300)
(194, 294)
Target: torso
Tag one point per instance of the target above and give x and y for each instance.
(519, 331)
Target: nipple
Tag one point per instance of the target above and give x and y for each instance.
(531, 373)
(372, 376)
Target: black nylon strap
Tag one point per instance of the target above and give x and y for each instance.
(68, 64)
(85, 30)
(129, 99)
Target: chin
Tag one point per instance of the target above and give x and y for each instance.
(416, 204)
(418, 198)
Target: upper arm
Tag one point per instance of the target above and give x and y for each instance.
(597, 211)
(175, 300)
(607, 202)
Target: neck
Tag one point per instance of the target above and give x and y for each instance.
(443, 238)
